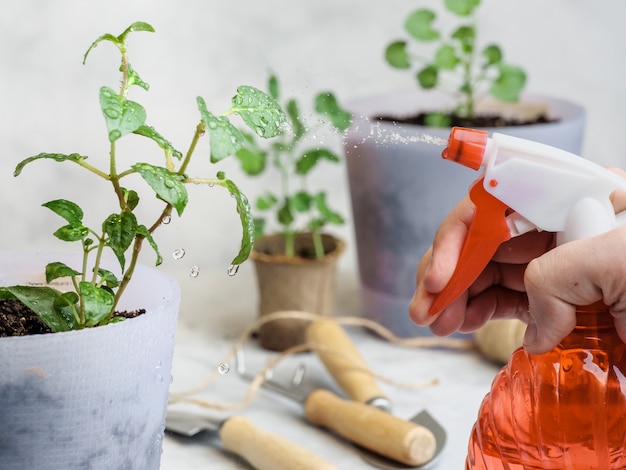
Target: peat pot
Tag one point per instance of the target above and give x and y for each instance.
(298, 283)
(89, 399)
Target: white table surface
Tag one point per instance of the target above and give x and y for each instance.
(211, 319)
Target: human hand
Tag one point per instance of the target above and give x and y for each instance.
(527, 278)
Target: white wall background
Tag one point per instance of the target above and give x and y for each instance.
(572, 49)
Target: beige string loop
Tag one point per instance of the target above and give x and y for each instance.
(186, 396)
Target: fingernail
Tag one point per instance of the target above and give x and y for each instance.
(530, 336)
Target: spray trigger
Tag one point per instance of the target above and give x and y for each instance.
(487, 231)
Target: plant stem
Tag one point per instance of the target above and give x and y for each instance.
(317, 244)
(200, 129)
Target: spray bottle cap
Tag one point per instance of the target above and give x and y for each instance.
(466, 146)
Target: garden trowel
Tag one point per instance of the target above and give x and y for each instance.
(261, 449)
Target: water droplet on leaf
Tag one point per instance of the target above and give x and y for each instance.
(166, 220)
(232, 269)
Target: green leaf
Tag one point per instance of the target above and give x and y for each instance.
(66, 306)
(326, 104)
(462, 7)
(120, 229)
(41, 300)
(122, 116)
(311, 158)
(136, 26)
(330, 216)
(168, 185)
(259, 111)
(293, 112)
(285, 217)
(419, 25)
(97, 302)
(437, 120)
(252, 160)
(428, 77)
(109, 279)
(161, 141)
(266, 201)
(225, 138)
(119, 40)
(71, 233)
(59, 157)
(68, 210)
(301, 201)
(57, 269)
(134, 78)
(446, 58)
(273, 87)
(104, 37)
(143, 230)
(509, 84)
(247, 222)
(259, 227)
(131, 197)
(466, 35)
(492, 54)
(396, 55)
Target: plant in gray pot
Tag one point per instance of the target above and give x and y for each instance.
(87, 338)
(296, 266)
(393, 149)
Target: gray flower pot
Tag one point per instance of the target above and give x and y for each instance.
(90, 399)
(401, 190)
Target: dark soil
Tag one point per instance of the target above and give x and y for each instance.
(18, 320)
(486, 120)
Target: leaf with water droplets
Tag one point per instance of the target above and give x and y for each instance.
(247, 222)
(122, 116)
(225, 138)
(109, 279)
(120, 230)
(168, 185)
(259, 111)
(161, 141)
(41, 300)
(57, 269)
(59, 157)
(97, 302)
(143, 230)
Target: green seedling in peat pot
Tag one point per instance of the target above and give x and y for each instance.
(457, 59)
(294, 201)
(97, 291)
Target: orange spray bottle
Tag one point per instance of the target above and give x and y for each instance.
(565, 409)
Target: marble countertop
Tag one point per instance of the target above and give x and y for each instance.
(205, 338)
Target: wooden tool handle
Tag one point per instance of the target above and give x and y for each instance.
(265, 450)
(345, 363)
(374, 429)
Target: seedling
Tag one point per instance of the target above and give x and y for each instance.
(455, 65)
(97, 291)
(295, 201)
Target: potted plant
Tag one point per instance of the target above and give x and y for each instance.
(295, 266)
(393, 148)
(85, 382)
